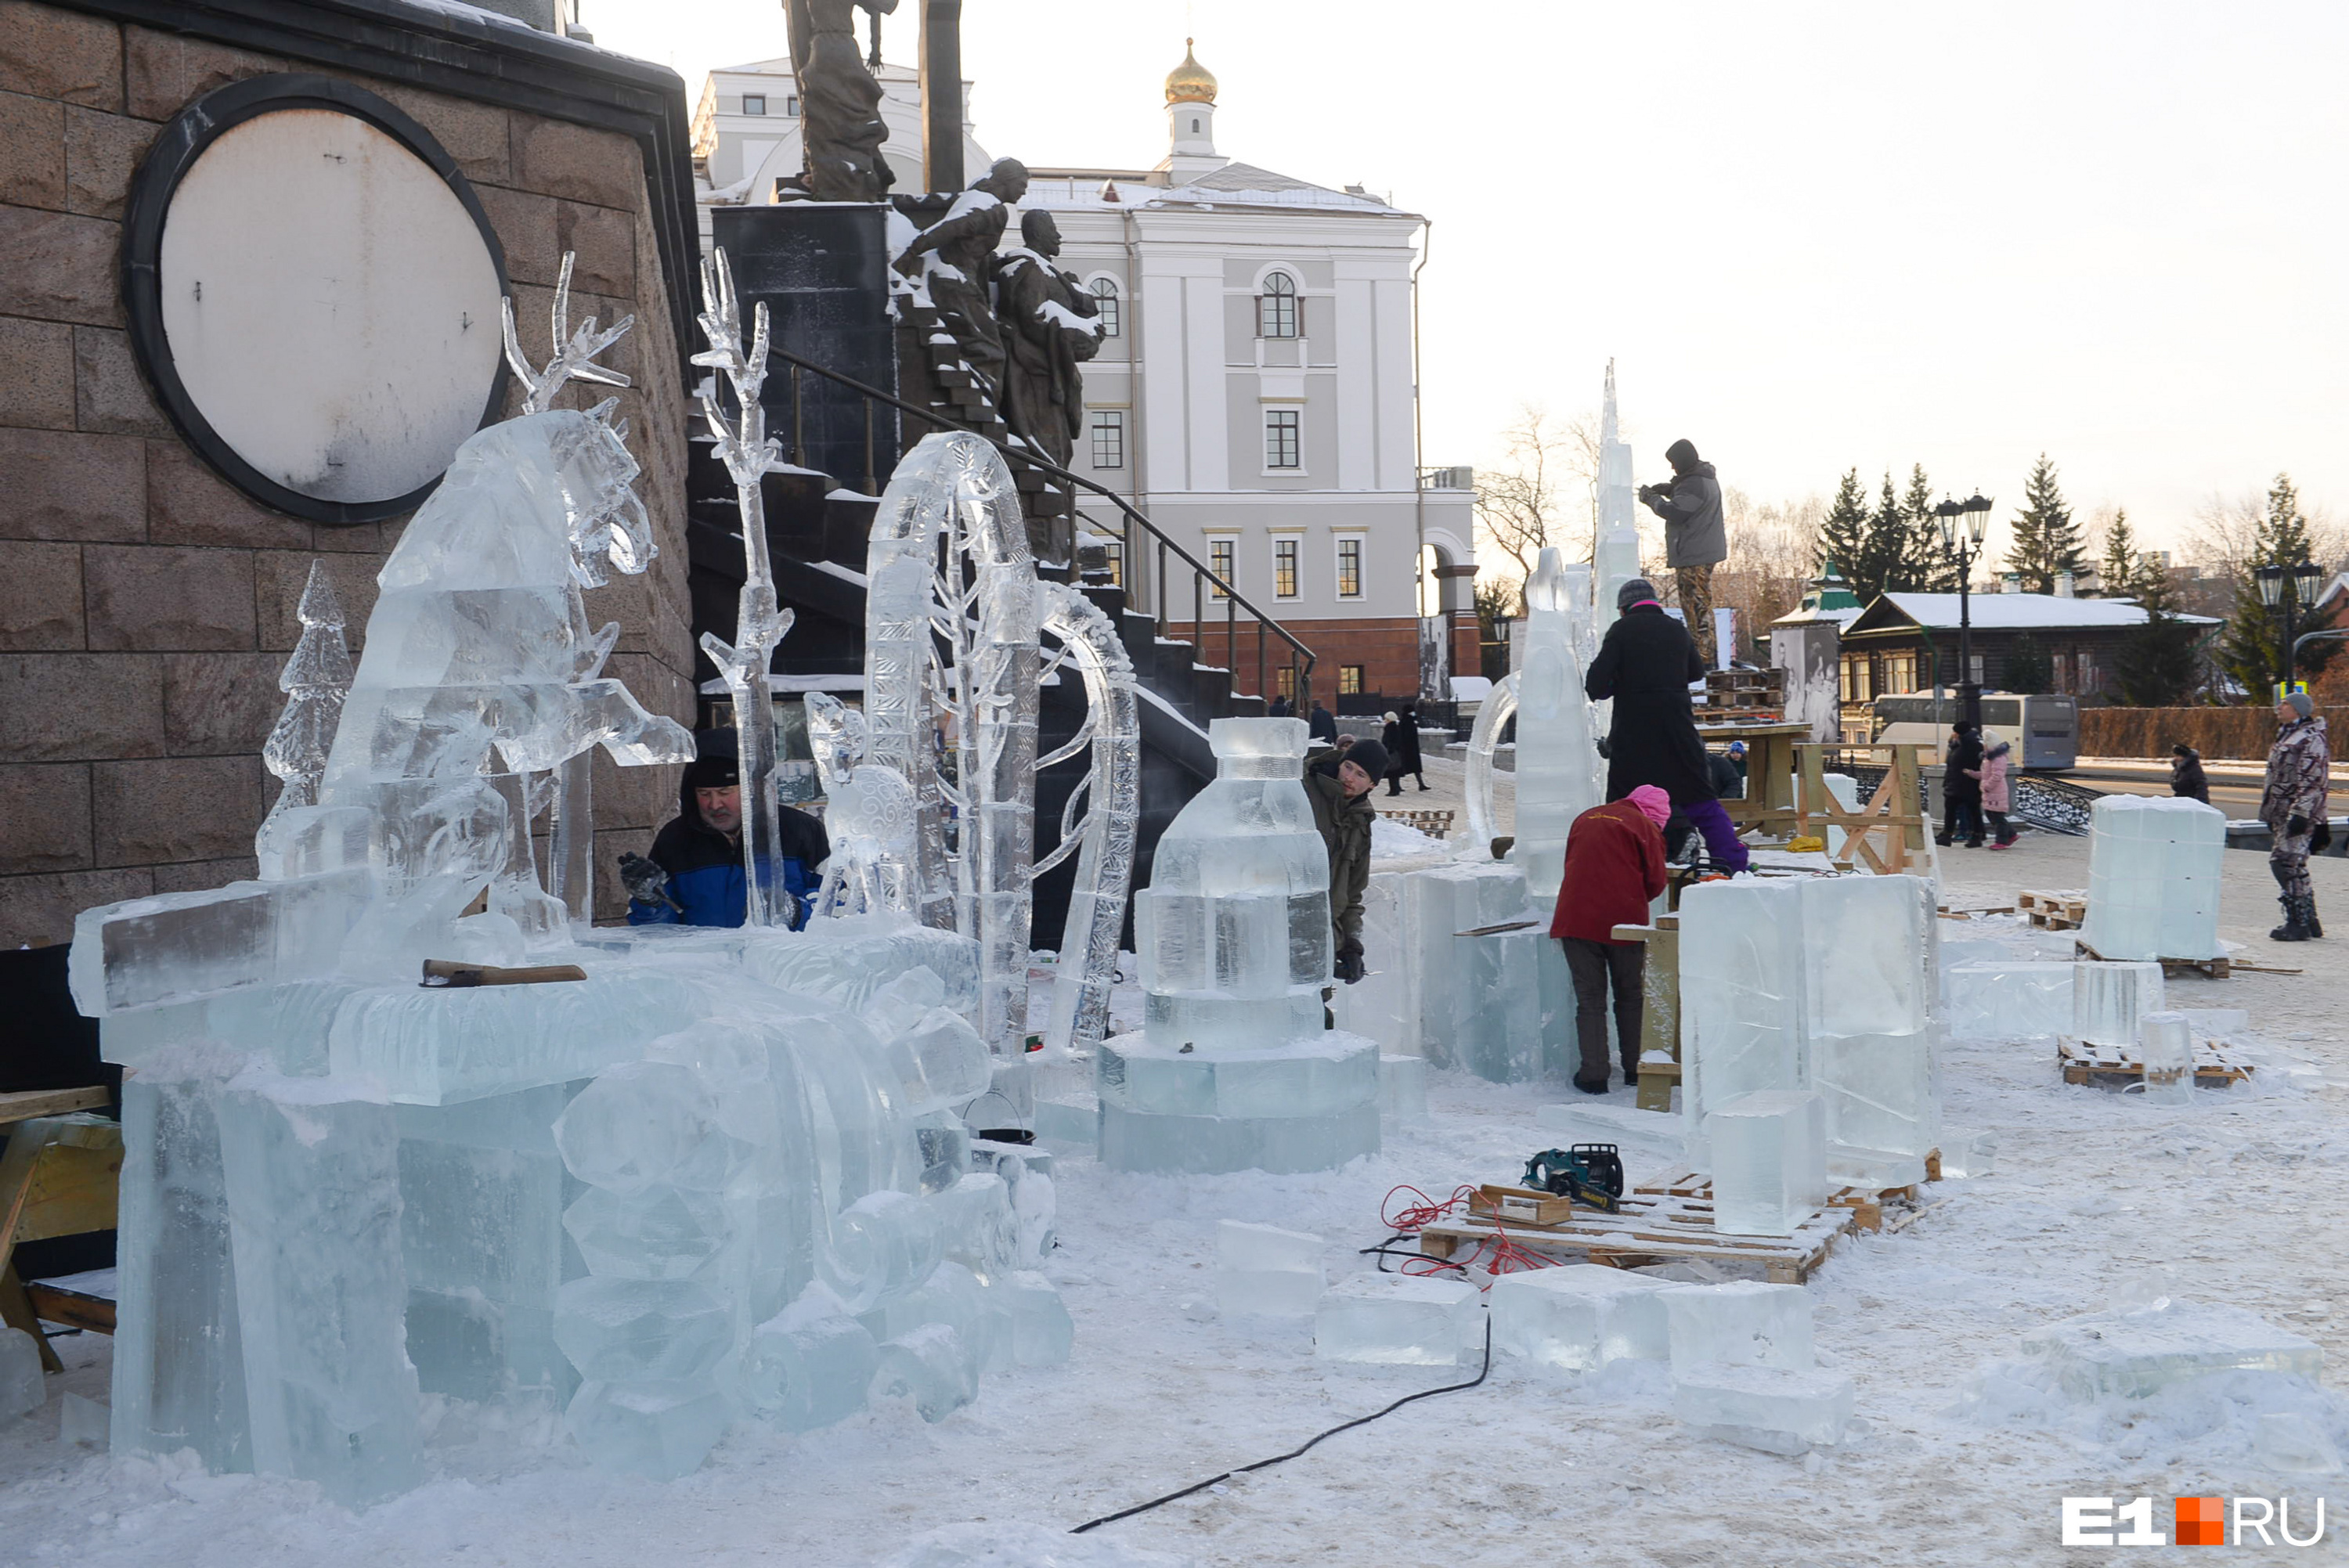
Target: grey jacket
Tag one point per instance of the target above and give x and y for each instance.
(1693, 533)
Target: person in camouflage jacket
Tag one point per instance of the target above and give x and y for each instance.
(2300, 766)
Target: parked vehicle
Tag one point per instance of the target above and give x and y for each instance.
(2044, 729)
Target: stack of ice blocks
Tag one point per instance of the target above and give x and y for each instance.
(1769, 1162)
(1232, 1069)
(1579, 1316)
(2136, 1353)
(1499, 1005)
(2109, 1001)
(1740, 998)
(1742, 1368)
(2153, 878)
(1398, 1320)
(1263, 1271)
(1867, 966)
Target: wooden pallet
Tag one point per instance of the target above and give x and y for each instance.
(1434, 824)
(2176, 968)
(2117, 1066)
(1657, 1227)
(2054, 910)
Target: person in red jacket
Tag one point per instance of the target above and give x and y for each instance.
(1614, 870)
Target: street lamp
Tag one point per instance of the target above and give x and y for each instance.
(2290, 589)
(1963, 524)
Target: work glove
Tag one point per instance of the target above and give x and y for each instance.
(2295, 825)
(1349, 963)
(646, 882)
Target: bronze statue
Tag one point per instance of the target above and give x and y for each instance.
(1049, 327)
(840, 129)
(962, 247)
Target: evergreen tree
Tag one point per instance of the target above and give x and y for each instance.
(2125, 573)
(2158, 664)
(1844, 538)
(2047, 541)
(2252, 648)
(2029, 670)
(1932, 565)
(1887, 538)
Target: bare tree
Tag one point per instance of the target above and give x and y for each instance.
(1773, 551)
(1545, 492)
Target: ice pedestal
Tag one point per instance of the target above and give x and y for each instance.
(1398, 1320)
(2153, 878)
(1744, 1322)
(2009, 1000)
(1579, 1316)
(1769, 1407)
(1307, 1105)
(1769, 1162)
(1263, 1271)
(2137, 1353)
(1742, 973)
(2109, 1001)
(22, 1389)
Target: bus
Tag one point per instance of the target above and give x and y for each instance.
(2044, 731)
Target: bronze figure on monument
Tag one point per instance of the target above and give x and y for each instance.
(840, 129)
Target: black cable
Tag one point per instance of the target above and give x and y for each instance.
(1387, 1249)
(1482, 1373)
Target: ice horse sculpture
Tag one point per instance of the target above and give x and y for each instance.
(1233, 1069)
(721, 1176)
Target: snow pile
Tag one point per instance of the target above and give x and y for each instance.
(1025, 1546)
(1392, 841)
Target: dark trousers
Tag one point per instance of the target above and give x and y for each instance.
(1960, 816)
(1596, 966)
(1998, 828)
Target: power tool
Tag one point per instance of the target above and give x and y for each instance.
(1591, 1174)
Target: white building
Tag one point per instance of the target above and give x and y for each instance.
(1254, 395)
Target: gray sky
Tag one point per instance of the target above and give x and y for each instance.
(1813, 236)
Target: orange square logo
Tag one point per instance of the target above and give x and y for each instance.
(2201, 1522)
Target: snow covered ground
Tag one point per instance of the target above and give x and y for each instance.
(2096, 1199)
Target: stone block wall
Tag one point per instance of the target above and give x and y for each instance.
(147, 606)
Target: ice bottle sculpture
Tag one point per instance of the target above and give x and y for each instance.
(1558, 773)
(1233, 1069)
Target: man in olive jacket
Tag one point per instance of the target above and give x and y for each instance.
(1340, 785)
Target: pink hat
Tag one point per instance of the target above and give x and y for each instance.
(1653, 803)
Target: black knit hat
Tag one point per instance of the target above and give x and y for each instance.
(1369, 757)
(717, 761)
(1633, 591)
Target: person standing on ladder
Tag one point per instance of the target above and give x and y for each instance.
(1695, 538)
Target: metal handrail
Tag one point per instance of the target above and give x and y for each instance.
(1234, 601)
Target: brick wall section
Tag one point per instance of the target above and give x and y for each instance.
(1386, 648)
(145, 606)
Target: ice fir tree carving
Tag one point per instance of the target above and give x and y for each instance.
(314, 681)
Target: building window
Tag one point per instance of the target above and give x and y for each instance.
(1109, 438)
(1106, 306)
(1280, 438)
(1283, 681)
(754, 103)
(1276, 308)
(1284, 569)
(1349, 680)
(1221, 554)
(1115, 550)
(1350, 568)
(791, 108)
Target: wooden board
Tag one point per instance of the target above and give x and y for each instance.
(23, 1105)
(2117, 1066)
(2054, 910)
(71, 1308)
(2176, 968)
(1656, 1228)
(1521, 1206)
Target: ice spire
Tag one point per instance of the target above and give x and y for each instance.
(1616, 560)
(315, 679)
(744, 447)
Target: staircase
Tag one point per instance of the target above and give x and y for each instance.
(817, 532)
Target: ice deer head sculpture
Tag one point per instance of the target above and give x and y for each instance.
(869, 817)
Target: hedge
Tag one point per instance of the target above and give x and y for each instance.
(2244, 733)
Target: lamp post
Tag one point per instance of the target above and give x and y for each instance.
(1965, 543)
(2289, 589)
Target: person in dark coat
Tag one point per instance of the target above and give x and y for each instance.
(1279, 708)
(1407, 760)
(1960, 791)
(1646, 663)
(1321, 724)
(1390, 738)
(1614, 870)
(2186, 780)
(694, 876)
(1338, 784)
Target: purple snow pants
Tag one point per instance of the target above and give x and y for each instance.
(1709, 818)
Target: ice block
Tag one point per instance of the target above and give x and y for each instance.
(2168, 1051)
(2153, 877)
(1402, 1087)
(1579, 1316)
(1402, 1320)
(1769, 1162)
(2009, 999)
(1742, 982)
(1745, 1323)
(1775, 1408)
(2137, 1353)
(2109, 1001)
(23, 1390)
(1263, 1271)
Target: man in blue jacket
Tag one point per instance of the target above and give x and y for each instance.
(695, 874)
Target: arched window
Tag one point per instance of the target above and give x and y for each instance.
(1276, 308)
(1105, 305)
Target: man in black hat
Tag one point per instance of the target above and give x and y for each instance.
(694, 876)
(1695, 539)
(1646, 663)
(1340, 784)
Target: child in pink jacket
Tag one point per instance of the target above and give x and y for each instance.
(1995, 796)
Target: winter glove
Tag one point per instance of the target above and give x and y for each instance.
(2295, 825)
(1349, 963)
(2321, 840)
(646, 882)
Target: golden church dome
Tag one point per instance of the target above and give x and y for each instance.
(1190, 82)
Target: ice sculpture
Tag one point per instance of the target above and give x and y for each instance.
(1558, 775)
(1616, 560)
(720, 1175)
(869, 815)
(2153, 878)
(317, 676)
(1492, 716)
(1232, 1069)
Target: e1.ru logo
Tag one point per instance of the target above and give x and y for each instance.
(2200, 1521)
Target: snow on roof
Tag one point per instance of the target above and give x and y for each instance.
(1233, 185)
(2011, 613)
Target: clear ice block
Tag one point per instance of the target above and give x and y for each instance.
(1865, 943)
(81, 1423)
(625, 1330)
(2109, 1001)
(1263, 1271)
(932, 1366)
(1742, 970)
(1879, 1092)
(660, 1431)
(1775, 1408)
(1769, 1162)
(2153, 877)
(1240, 1245)
(1557, 769)
(2167, 1052)
(1402, 1087)
(1745, 1323)
(1579, 1316)
(182, 946)
(804, 1371)
(1042, 1332)
(428, 1046)
(1399, 1320)
(2009, 999)
(2136, 1353)
(2289, 1443)
(1307, 1104)
(23, 1389)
